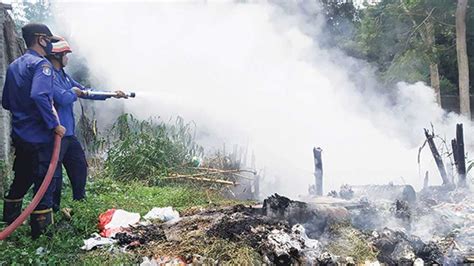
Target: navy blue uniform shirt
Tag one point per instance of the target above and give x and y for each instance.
(28, 95)
(64, 98)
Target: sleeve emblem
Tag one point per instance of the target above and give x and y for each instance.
(46, 70)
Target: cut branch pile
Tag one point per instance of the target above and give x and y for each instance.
(213, 175)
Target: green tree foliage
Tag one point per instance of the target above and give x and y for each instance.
(393, 35)
(31, 11)
(382, 34)
(341, 21)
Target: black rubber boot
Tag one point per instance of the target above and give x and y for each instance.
(11, 209)
(56, 208)
(39, 221)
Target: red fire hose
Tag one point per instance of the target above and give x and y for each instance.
(39, 195)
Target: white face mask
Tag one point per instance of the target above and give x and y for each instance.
(65, 60)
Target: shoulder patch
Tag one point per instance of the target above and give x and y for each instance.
(46, 70)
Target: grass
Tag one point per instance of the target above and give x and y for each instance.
(349, 242)
(103, 194)
(147, 149)
(138, 154)
(191, 239)
(234, 253)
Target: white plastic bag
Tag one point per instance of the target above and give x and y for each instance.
(113, 221)
(96, 241)
(164, 214)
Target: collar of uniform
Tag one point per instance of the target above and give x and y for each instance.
(58, 71)
(61, 73)
(33, 52)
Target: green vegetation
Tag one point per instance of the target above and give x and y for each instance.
(401, 38)
(3, 174)
(103, 194)
(25, 12)
(139, 151)
(144, 150)
(236, 253)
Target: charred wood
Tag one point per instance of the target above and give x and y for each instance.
(458, 154)
(318, 171)
(437, 157)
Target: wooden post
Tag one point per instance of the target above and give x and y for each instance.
(244, 158)
(437, 157)
(459, 155)
(233, 157)
(241, 155)
(426, 180)
(318, 171)
(256, 182)
(454, 146)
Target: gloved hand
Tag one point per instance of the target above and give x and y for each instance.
(120, 94)
(78, 91)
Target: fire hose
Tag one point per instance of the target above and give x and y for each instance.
(39, 195)
(49, 175)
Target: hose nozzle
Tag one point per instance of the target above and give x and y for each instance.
(107, 93)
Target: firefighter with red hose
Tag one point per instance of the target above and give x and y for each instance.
(28, 95)
(66, 92)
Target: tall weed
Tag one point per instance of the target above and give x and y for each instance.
(147, 149)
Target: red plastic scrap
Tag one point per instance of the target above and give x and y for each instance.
(104, 219)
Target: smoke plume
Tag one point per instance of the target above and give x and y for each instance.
(255, 74)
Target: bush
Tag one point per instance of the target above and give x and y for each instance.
(144, 150)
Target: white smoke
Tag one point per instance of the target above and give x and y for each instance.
(250, 74)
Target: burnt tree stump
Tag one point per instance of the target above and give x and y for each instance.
(459, 155)
(437, 157)
(318, 171)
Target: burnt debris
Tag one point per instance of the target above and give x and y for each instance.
(284, 232)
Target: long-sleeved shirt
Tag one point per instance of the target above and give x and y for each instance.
(64, 98)
(28, 95)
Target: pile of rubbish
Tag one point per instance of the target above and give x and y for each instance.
(435, 225)
(275, 240)
(324, 230)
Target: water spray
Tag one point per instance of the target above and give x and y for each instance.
(107, 93)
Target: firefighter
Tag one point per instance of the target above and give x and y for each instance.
(28, 95)
(66, 92)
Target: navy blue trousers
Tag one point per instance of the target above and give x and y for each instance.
(74, 160)
(30, 166)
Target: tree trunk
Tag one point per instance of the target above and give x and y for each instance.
(11, 47)
(427, 35)
(463, 67)
(434, 77)
(429, 39)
